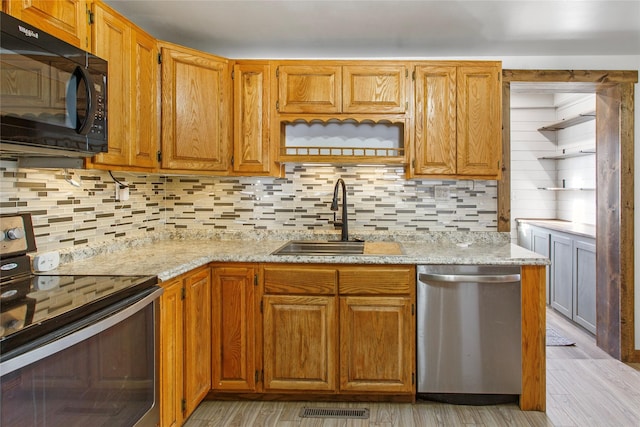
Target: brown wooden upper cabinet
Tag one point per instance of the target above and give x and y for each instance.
(252, 153)
(196, 110)
(331, 88)
(374, 89)
(133, 91)
(458, 119)
(66, 19)
(309, 88)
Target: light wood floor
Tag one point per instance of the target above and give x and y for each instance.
(585, 387)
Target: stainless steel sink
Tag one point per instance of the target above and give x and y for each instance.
(320, 247)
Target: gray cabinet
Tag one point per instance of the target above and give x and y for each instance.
(562, 274)
(540, 244)
(584, 280)
(571, 277)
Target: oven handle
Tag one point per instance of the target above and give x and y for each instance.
(113, 317)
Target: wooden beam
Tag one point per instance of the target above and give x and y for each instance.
(608, 216)
(627, 320)
(504, 184)
(571, 76)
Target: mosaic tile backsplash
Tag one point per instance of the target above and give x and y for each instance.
(379, 199)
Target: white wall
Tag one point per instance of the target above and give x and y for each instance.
(528, 173)
(576, 172)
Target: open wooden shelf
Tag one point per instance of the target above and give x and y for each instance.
(566, 189)
(347, 153)
(569, 155)
(571, 121)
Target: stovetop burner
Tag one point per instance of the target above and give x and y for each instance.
(38, 304)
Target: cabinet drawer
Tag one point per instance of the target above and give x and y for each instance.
(368, 280)
(300, 280)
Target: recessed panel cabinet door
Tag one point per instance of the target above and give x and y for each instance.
(374, 89)
(234, 328)
(171, 354)
(584, 276)
(66, 19)
(113, 42)
(376, 344)
(309, 89)
(195, 110)
(435, 120)
(144, 100)
(300, 343)
(479, 125)
(562, 274)
(251, 151)
(197, 333)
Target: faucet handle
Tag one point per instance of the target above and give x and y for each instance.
(335, 222)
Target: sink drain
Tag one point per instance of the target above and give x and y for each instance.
(362, 413)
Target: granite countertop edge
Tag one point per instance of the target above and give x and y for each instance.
(168, 255)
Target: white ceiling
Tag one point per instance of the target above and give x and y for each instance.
(391, 28)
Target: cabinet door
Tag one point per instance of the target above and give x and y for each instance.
(435, 120)
(562, 274)
(300, 343)
(479, 124)
(197, 332)
(234, 328)
(309, 89)
(374, 89)
(195, 110)
(171, 353)
(376, 351)
(251, 148)
(144, 100)
(66, 19)
(540, 245)
(112, 37)
(584, 298)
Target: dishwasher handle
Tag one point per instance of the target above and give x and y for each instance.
(474, 278)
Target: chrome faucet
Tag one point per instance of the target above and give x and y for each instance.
(334, 207)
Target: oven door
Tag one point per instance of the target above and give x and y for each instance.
(100, 371)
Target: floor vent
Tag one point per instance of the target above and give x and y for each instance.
(362, 413)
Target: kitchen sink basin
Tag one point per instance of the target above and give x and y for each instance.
(323, 247)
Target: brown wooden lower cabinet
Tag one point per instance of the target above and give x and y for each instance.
(376, 344)
(235, 310)
(339, 329)
(307, 331)
(300, 342)
(185, 345)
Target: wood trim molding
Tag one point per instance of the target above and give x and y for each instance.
(615, 175)
(627, 232)
(533, 315)
(504, 184)
(596, 77)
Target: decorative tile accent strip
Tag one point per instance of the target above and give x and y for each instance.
(380, 201)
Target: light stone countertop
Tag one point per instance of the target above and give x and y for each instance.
(169, 257)
(579, 229)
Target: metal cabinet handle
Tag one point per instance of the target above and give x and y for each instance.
(480, 278)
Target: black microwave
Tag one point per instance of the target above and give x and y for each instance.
(53, 96)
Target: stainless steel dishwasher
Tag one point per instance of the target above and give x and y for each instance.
(469, 333)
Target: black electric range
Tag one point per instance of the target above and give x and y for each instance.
(35, 305)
